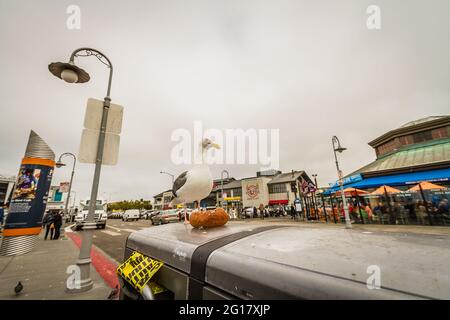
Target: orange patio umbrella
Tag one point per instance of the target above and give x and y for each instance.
(380, 190)
(425, 186)
(352, 192)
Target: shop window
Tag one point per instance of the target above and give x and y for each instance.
(237, 192)
(277, 188)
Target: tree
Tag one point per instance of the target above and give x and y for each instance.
(130, 204)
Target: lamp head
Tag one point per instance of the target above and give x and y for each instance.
(59, 164)
(68, 72)
(339, 147)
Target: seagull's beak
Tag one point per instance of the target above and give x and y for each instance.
(215, 145)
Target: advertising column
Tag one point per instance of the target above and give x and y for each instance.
(29, 198)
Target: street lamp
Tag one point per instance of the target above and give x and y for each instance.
(59, 164)
(221, 185)
(340, 149)
(169, 174)
(71, 73)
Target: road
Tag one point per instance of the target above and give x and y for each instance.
(112, 239)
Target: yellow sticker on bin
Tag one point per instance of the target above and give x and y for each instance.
(138, 271)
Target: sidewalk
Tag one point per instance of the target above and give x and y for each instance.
(42, 273)
(414, 229)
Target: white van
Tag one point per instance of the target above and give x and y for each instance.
(131, 214)
(100, 215)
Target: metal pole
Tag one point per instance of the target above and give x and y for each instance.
(391, 213)
(332, 209)
(173, 177)
(84, 260)
(66, 210)
(348, 224)
(221, 185)
(426, 205)
(359, 207)
(324, 208)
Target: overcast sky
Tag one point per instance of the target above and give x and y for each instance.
(309, 68)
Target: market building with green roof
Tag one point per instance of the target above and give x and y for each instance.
(415, 152)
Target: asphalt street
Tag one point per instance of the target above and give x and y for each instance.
(112, 239)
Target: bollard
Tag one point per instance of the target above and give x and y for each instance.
(29, 198)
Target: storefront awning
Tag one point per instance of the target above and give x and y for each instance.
(278, 202)
(399, 179)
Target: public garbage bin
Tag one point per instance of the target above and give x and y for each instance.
(253, 261)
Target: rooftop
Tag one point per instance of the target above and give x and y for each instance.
(411, 127)
(410, 157)
(7, 178)
(422, 120)
(287, 177)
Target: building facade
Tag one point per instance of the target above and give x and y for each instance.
(417, 151)
(56, 200)
(268, 188)
(162, 200)
(6, 187)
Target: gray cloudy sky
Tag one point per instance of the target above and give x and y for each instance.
(310, 68)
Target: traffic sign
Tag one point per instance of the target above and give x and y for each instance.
(89, 137)
(93, 116)
(89, 143)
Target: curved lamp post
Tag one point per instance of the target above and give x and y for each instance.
(335, 141)
(169, 174)
(71, 73)
(60, 164)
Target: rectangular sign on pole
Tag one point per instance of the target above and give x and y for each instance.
(89, 143)
(93, 116)
(89, 137)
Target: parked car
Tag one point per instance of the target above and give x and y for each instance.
(131, 214)
(166, 216)
(100, 216)
(181, 213)
(247, 212)
(116, 215)
(153, 213)
(148, 214)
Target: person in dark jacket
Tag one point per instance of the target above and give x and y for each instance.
(293, 212)
(2, 216)
(58, 223)
(47, 223)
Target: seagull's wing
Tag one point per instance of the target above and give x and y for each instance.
(179, 182)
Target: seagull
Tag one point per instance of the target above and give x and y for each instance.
(195, 184)
(18, 288)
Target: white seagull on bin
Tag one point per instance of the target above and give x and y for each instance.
(195, 184)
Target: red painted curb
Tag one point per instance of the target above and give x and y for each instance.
(105, 267)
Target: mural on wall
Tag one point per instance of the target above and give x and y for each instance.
(252, 191)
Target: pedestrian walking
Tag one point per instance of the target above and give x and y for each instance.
(48, 224)
(293, 212)
(58, 223)
(2, 216)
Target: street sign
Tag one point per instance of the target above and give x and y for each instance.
(64, 187)
(93, 116)
(88, 147)
(89, 137)
(298, 205)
